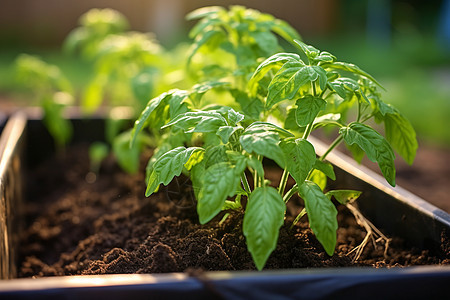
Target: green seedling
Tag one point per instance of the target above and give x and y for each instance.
(230, 42)
(52, 91)
(219, 146)
(126, 63)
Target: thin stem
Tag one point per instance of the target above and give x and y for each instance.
(336, 142)
(359, 111)
(245, 183)
(299, 216)
(314, 88)
(323, 92)
(308, 130)
(290, 193)
(283, 182)
(366, 118)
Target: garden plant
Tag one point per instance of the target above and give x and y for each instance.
(274, 111)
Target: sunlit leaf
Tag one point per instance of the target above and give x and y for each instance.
(276, 60)
(198, 121)
(321, 214)
(401, 135)
(263, 218)
(326, 168)
(350, 68)
(300, 157)
(374, 145)
(307, 109)
(219, 182)
(344, 196)
(169, 165)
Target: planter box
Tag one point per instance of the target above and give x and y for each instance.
(394, 210)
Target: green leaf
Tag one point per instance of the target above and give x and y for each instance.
(127, 158)
(350, 68)
(290, 122)
(300, 158)
(219, 182)
(225, 132)
(274, 61)
(308, 50)
(401, 135)
(201, 40)
(288, 80)
(196, 177)
(198, 121)
(200, 89)
(319, 178)
(344, 196)
(326, 168)
(328, 119)
(177, 96)
(323, 79)
(98, 151)
(266, 41)
(234, 117)
(142, 85)
(169, 165)
(324, 57)
(59, 127)
(195, 158)
(264, 215)
(321, 214)
(345, 87)
(93, 95)
(176, 103)
(262, 139)
(215, 154)
(307, 109)
(251, 106)
(256, 165)
(374, 145)
(357, 152)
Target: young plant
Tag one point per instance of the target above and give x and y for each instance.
(126, 63)
(126, 72)
(221, 146)
(230, 42)
(52, 91)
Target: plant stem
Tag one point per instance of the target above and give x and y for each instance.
(290, 193)
(323, 92)
(283, 182)
(308, 130)
(299, 216)
(359, 111)
(245, 183)
(336, 142)
(366, 118)
(314, 88)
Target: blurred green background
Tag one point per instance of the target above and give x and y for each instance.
(402, 43)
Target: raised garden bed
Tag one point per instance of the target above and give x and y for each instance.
(397, 212)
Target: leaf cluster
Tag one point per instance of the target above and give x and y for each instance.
(245, 34)
(287, 97)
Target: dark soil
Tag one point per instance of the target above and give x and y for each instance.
(80, 226)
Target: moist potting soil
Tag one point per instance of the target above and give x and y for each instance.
(81, 223)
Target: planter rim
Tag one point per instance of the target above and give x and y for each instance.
(118, 280)
(408, 283)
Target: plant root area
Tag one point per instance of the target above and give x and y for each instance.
(80, 223)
